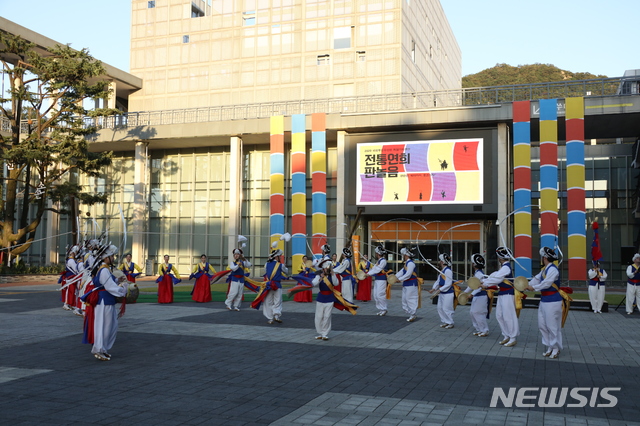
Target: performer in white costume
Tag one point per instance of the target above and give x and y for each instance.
(379, 274)
(239, 267)
(506, 306)
(103, 300)
(633, 284)
(345, 270)
(547, 282)
(597, 281)
(409, 279)
(444, 283)
(479, 310)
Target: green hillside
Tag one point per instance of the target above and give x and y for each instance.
(503, 74)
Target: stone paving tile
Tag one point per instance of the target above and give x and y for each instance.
(198, 363)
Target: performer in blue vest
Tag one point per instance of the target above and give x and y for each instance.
(101, 324)
(325, 298)
(275, 272)
(506, 305)
(326, 249)
(379, 274)
(239, 267)
(129, 268)
(409, 279)
(633, 284)
(597, 280)
(547, 282)
(444, 283)
(166, 280)
(202, 272)
(345, 270)
(480, 301)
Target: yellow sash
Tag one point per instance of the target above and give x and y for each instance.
(456, 292)
(566, 303)
(490, 296)
(517, 297)
(348, 305)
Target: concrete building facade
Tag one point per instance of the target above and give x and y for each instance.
(231, 52)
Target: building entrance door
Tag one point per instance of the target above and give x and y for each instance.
(428, 239)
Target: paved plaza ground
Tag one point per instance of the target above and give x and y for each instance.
(188, 363)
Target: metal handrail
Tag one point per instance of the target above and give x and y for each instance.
(475, 96)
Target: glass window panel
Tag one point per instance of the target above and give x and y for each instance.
(202, 167)
(200, 235)
(128, 192)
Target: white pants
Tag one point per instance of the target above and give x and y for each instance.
(410, 299)
(380, 294)
(478, 312)
(506, 316)
(347, 289)
(234, 298)
(323, 318)
(272, 305)
(633, 294)
(105, 328)
(596, 297)
(445, 307)
(550, 324)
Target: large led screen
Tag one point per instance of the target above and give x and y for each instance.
(420, 172)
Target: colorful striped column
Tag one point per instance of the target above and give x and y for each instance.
(522, 187)
(548, 173)
(276, 197)
(576, 216)
(318, 181)
(298, 189)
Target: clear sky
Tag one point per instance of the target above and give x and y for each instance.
(596, 36)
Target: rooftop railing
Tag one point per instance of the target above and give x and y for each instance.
(372, 104)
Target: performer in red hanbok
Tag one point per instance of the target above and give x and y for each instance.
(129, 268)
(364, 285)
(202, 272)
(166, 281)
(307, 271)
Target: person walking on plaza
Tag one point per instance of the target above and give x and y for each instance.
(270, 296)
(506, 305)
(306, 270)
(444, 283)
(239, 267)
(101, 325)
(379, 274)
(364, 286)
(130, 268)
(480, 301)
(168, 277)
(409, 279)
(345, 270)
(597, 278)
(633, 284)
(547, 282)
(202, 272)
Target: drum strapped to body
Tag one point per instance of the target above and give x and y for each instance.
(473, 283)
(463, 298)
(520, 283)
